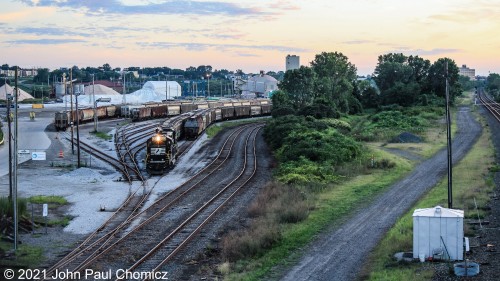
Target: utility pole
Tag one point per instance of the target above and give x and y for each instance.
(95, 104)
(71, 104)
(14, 191)
(448, 136)
(9, 138)
(77, 131)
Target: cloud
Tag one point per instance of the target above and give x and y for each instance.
(171, 7)
(357, 42)
(204, 46)
(54, 31)
(44, 41)
(421, 52)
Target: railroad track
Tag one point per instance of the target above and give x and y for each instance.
(167, 248)
(492, 106)
(114, 232)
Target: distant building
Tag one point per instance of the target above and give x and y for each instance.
(292, 62)
(465, 71)
(261, 85)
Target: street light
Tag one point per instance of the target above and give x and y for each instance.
(208, 84)
(95, 109)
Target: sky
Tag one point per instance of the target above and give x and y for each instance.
(243, 34)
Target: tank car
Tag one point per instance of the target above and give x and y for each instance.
(161, 153)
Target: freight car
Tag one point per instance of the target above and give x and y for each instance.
(63, 119)
(161, 153)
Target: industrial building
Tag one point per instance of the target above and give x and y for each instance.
(469, 72)
(292, 62)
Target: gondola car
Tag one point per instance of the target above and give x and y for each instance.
(161, 153)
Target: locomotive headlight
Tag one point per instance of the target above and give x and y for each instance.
(157, 138)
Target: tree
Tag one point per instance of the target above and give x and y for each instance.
(299, 85)
(106, 67)
(42, 75)
(336, 77)
(401, 78)
(437, 76)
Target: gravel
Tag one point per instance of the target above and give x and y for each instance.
(338, 253)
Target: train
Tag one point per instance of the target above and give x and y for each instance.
(192, 124)
(161, 152)
(151, 110)
(62, 119)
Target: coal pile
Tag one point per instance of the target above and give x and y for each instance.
(406, 138)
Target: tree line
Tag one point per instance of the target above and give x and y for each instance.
(329, 86)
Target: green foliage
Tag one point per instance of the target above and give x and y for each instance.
(323, 90)
(309, 149)
(102, 135)
(396, 119)
(6, 207)
(493, 85)
(299, 85)
(51, 199)
(409, 81)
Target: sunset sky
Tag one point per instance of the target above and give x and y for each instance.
(242, 34)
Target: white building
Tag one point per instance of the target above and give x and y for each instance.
(469, 72)
(292, 62)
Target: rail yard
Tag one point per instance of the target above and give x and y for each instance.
(199, 199)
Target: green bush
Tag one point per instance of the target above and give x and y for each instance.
(6, 207)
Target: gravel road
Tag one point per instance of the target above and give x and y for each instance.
(338, 254)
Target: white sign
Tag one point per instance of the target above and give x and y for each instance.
(23, 151)
(38, 156)
(45, 210)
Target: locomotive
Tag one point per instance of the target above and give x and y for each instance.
(161, 152)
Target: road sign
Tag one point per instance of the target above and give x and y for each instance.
(23, 151)
(38, 156)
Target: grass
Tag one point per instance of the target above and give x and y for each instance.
(331, 206)
(26, 257)
(471, 179)
(217, 127)
(102, 135)
(51, 199)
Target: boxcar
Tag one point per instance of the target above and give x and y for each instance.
(139, 114)
(159, 111)
(227, 112)
(241, 111)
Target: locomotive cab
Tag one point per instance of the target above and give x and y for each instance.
(161, 153)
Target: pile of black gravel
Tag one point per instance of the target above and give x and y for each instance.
(406, 137)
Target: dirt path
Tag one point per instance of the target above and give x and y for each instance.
(339, 253)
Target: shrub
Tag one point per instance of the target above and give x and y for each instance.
(6, 207)
(262, 235)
